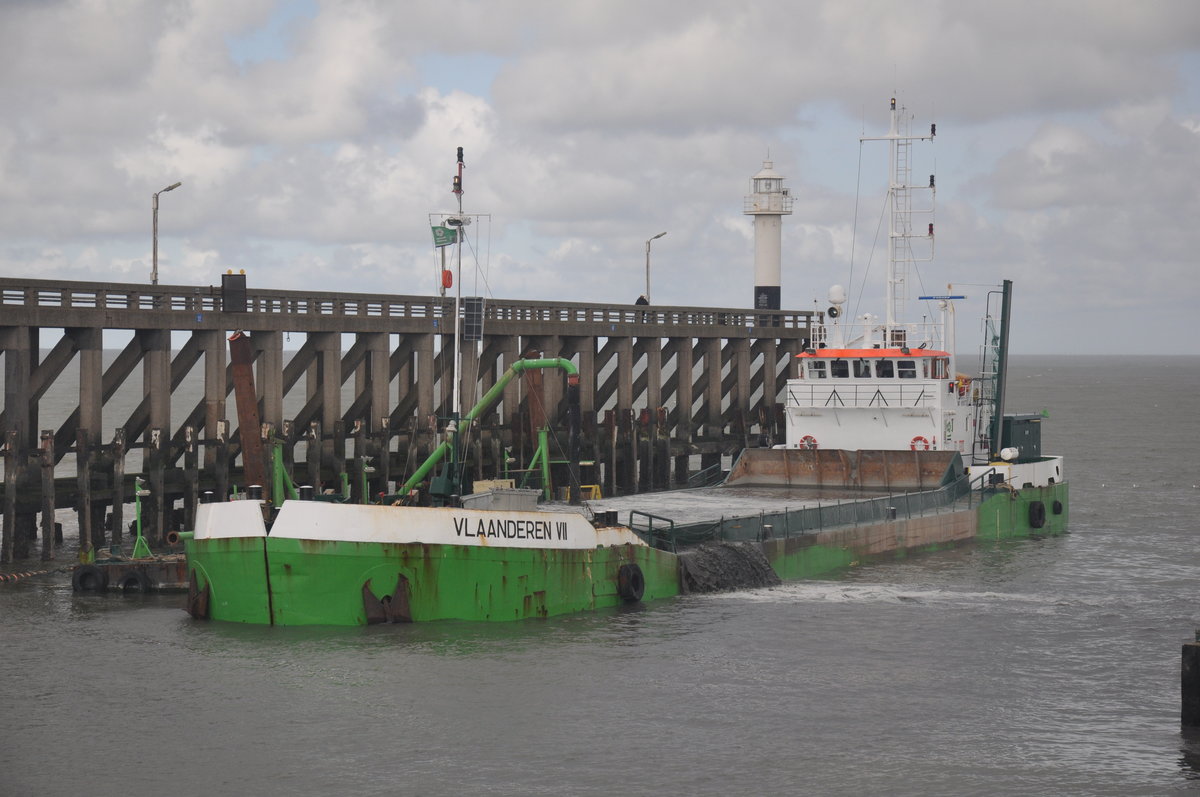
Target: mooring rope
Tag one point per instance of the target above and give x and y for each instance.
(5, 577)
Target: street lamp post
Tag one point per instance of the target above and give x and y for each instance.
(154, 256)
(660, 235)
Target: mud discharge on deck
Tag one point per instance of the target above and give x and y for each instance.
(720, 566)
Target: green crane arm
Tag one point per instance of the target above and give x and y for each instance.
(488, 400)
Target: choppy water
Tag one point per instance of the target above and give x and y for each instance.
(1036, 667)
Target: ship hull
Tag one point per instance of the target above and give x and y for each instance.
(1027, 512)
(322, 582)
(1000, 516)
(281, 580)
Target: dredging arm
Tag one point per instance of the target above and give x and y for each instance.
(490, 398)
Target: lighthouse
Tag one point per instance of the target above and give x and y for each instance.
(768, 203)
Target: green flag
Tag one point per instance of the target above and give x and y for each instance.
(444, 236)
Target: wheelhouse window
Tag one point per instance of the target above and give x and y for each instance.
(862, 369)
(906, 369)
(816, 369)
(839, 369)
(884, 369)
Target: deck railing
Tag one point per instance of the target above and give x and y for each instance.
(838, 393)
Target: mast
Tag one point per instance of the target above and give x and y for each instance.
(1001, 371)
(900, 213)
(456, 405)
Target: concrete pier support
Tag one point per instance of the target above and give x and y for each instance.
(216, 383)
(268, 376)
(8, 532)
(47, 468)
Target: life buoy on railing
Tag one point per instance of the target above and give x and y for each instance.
(920, 443)
(808, 441)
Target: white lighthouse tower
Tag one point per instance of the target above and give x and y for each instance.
(768, 203)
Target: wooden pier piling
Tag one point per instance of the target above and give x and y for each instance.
(47, 468)
(1189, 683)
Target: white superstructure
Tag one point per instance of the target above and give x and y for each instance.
(869, 385)
(877, 398)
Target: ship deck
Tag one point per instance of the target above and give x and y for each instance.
(708, 504)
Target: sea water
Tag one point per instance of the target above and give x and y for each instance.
(1045, 666)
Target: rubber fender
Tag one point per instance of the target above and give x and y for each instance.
(89, 578)
(134, 581)
(1037, 515)
(1057, 507)
(631, 584)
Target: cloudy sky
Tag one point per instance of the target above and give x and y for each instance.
(313, 140)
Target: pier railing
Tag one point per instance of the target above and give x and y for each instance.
(32, 296)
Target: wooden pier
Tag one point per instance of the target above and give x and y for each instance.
(371, 376)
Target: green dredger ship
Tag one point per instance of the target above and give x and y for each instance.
(889, 451)
(343, 564)
(795, 511)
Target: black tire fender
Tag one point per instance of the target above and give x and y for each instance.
(134, 581)
(1037, 515)
(631, 584)
(89, 578)
(1057, 507)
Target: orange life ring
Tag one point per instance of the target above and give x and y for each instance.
(919, 443)
(808, 441)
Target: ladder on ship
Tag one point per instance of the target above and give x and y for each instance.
(901, 234)
(901, 231)
(987, 384)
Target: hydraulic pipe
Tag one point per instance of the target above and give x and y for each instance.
(488, 399)
(573, 423)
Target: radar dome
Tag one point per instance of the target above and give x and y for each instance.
(837, 295)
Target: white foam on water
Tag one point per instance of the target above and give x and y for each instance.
(841, 592)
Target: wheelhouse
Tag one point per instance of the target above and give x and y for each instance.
(874, 364)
